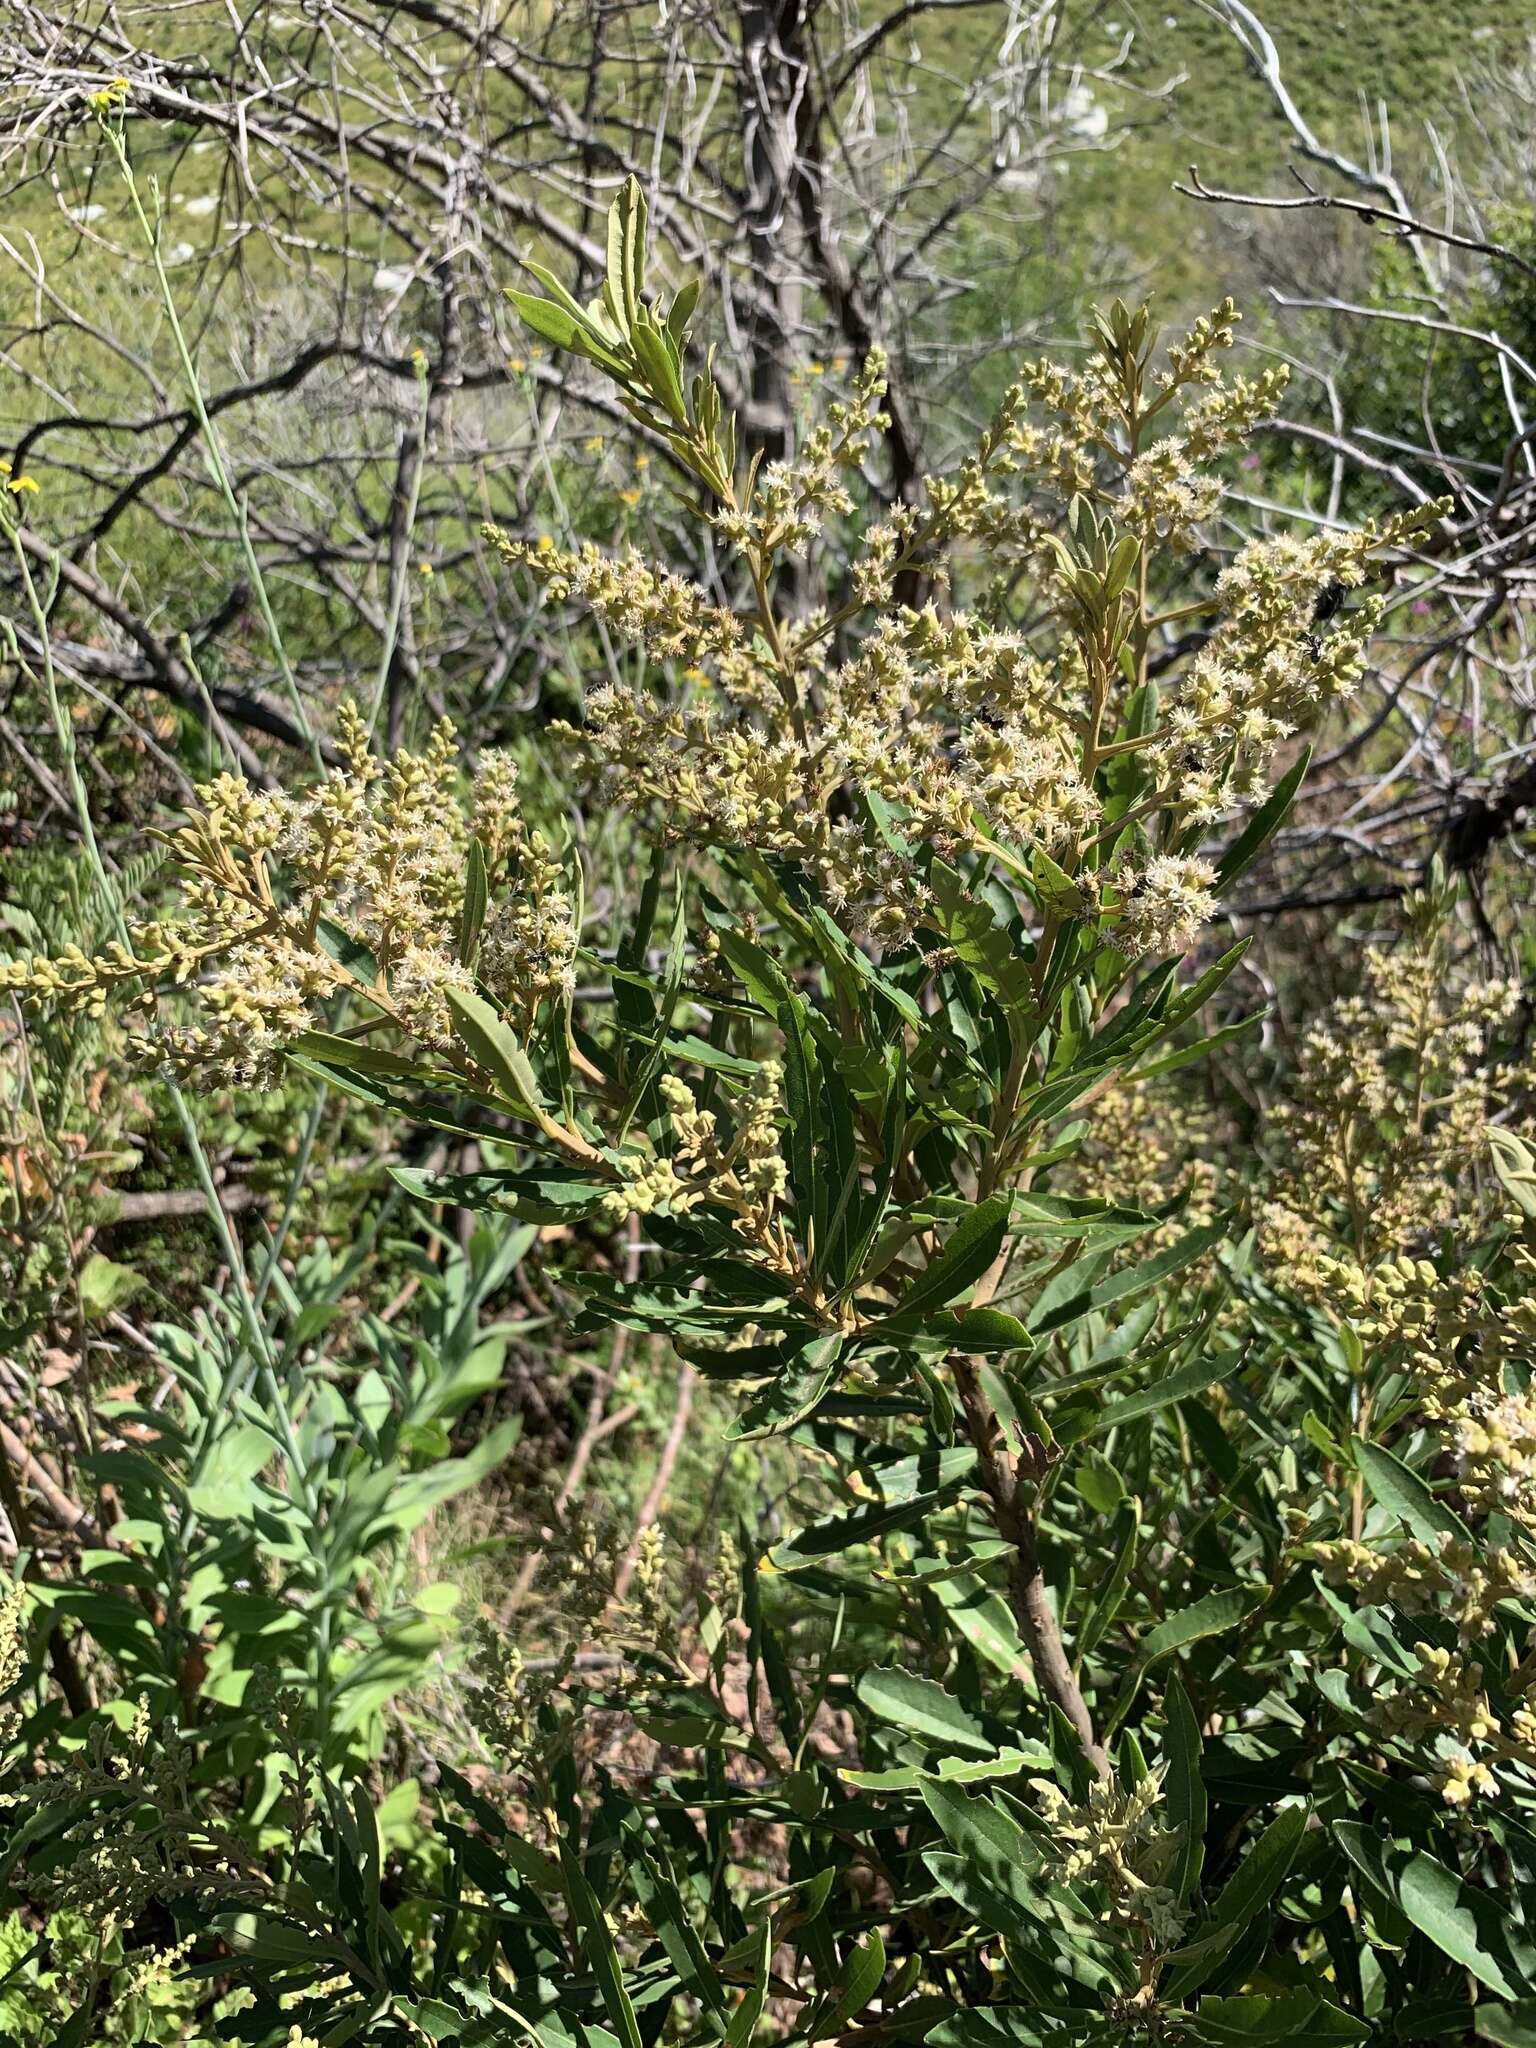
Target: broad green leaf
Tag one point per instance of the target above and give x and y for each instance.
(1515, 1165)
(103, 1284)
(551, 1196)
(991, 1841)
(923, 1708)
(356, 1055)
(554, 324)
(1127, 1539)
(1300, 2016)
(985, 1330)
(662, 1905)
(977, 940)
(746, 2016)
(981, 1614)
(1038, 1951)
(965, 1255)
(1404, 1494)
(492, 1044)
(222, 1491)
(900, 1479)
(1508, 2026)
(997, 2026)
(1467, 1925)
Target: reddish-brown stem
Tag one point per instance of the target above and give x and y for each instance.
(1028, 1593)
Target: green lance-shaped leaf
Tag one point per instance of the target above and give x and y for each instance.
(1515, 1164)
(682, 313)
(1264, 824)
(966, 1254)
(923, 1708)
(1469, 1926)
(663, 371)
(626, 256)
(602, 1952)
(802, 1384)
(492, 1044)
(1212, 1615)
(1078, 1291)
(746, 2016)
(857, 1982)
(1246, 1893)
(663, 1906)
(1184, 1788)
(472, 917)
(1404, 1494)
(1175, 1386)
(838, 1533)
(1123, 557)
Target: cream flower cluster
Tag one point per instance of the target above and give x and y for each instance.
(1115, 1843)
(1385, 1120)
(1467, 1581)
(778, 730)
(742, 1171)
(354, 887)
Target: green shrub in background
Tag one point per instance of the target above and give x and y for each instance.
(1142, 1649)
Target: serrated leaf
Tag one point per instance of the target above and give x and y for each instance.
(1212, 1615)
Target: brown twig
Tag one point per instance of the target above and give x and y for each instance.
(1028, 1593)
(1383, 216)
(67, 1672)
(666, 1464)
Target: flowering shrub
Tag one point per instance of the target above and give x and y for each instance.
(1087, 1690)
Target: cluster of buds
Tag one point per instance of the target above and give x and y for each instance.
(1114, 1844)
(743, 1172)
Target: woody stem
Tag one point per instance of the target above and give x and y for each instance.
(1013, 1516)
(1028, 1593)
